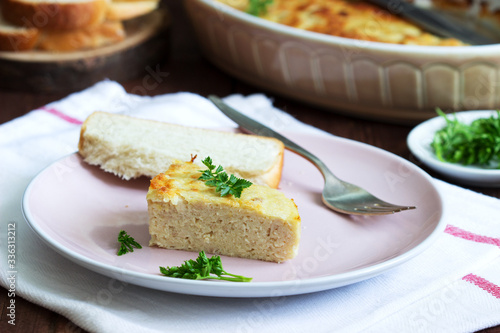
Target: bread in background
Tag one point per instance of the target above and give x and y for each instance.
(106, 33)
(55, 14)
(66, 25)
(16, 38)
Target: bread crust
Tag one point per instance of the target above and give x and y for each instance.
(66, 25)
(96, 151)
(19, 40)
(273, 176)
(86, 38)
(54, 15)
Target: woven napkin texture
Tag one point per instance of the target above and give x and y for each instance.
(453, 286)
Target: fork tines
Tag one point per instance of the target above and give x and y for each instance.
(382, 208)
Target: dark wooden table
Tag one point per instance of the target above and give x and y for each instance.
(189, 71)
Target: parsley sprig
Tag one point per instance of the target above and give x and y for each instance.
(202, 268)
(258, 7)
(474, 144)
(216, 177)
(127, 243)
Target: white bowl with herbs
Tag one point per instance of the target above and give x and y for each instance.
(463, 146)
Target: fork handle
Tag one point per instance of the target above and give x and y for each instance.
(290, 145)
(257, 128)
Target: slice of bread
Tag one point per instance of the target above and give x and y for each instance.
(185, 214)
(131, 147)
(15, 38)
(55, 14)
(92, 37)
(66, 25)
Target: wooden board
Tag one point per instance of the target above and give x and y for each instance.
(146, 46)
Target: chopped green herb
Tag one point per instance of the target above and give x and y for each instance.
(127, 243)
(216, 177)
(474, 144)
(202, 268)
(258, 7)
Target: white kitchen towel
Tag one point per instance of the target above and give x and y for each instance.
(453, 286)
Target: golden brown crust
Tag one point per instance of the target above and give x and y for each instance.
(165, 186)
(22, 40)
(87, 38)
(54, 15)
(353, 19)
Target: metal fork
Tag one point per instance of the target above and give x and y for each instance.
(337, 194)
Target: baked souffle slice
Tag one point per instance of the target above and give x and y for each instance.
(186, 214)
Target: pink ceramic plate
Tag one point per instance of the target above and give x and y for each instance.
(79, 210)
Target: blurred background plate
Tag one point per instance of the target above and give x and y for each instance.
(389, 82)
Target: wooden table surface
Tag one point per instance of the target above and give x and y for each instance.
(184, 69)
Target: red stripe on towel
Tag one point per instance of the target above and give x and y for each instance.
(61, 115)
(457, 232)
(484, 284)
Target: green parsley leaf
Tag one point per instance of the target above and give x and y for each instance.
(258, 7)
(474, 144)
(226, 185)
(202, 268)
(127, 243)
